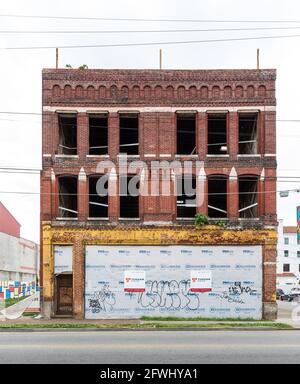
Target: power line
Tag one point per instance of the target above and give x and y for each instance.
(285, 178)
(21, 113)
(146, 19)
(19, 168)
(45, 112)
(143, 31)
(87, 194)
(145, 44)
(6, 169)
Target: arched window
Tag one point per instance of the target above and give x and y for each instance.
(216, 92)
(217, 196)
(56, 91)
(239, 92)
(67, 189)
(248, 196)
(250, 91)
(204, 92)
(98, 196)
(79, 91)
(68, 91)
(262, 91)
(181, 92)
(91, 92)
(228, 92)
(186, 196)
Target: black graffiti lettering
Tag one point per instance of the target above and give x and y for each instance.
(103, 300)
(239, 289)
(170, 294)
(230, 299)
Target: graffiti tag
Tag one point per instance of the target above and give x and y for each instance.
(103, 300)
(170, 294)
(239, 289)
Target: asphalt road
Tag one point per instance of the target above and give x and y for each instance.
(109, 347)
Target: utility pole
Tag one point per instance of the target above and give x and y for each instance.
(160, 59)
(56, 66)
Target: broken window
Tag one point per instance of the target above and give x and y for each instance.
(186, 134)
(217, 196)
(248, 197)
(98, 197)
(67, 134)
(98, 135)
(129, 134)
(247, 133)
(217, 134)
(129, 196)
(68, 196)
(186, 196)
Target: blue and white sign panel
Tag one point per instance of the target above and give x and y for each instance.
(63, 255)
(235, 273)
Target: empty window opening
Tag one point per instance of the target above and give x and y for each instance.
(98, 197)
(217, 134)
(186, 134)
(286, 267)
(67, 134)
(98, 135)
(129, 197)
(186, 196)
(217, 196)
(68, 197)
(129, 134)
(247, 134)
(248, 197)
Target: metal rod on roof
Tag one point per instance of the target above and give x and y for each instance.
(258, 58)
(160, 59)
(56, 66)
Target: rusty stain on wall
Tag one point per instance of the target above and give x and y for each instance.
(188, 235)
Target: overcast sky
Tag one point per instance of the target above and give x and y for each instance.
(20, 74)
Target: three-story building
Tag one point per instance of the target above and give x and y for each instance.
(120, 255)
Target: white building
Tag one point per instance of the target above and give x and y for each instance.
(288, 259)
(19, 259)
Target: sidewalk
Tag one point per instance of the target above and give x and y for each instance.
(31, 324)
(15, 311)
(289, 313)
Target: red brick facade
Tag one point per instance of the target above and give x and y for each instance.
(157, 96)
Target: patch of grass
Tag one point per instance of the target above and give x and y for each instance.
(30, 314)
(144, 326)
(227, 325)
(173, 318)
(10, 302)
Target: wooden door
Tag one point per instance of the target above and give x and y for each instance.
(64, 294)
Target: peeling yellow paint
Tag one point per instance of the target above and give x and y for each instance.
(209, 235)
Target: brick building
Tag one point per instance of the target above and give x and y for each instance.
(223, 124)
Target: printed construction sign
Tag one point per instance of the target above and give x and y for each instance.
(134, 281)
(200, 281)
(127, 282)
